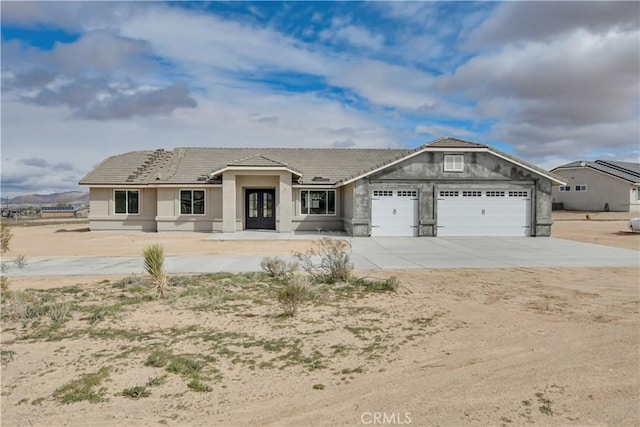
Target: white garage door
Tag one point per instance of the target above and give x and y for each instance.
(484, 212)
(394, 213)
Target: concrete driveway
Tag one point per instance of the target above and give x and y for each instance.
(485, 252)
(372, 253)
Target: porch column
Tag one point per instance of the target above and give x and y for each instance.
(285, 202)
(229, 202)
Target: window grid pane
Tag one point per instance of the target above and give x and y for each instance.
(318, 202)
(198, 202)
(132, 202)
(185, 202)
(253, 205)
(121, 202)
(331, 202)
(267, 205)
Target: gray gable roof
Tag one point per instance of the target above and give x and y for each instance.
(194, 165)
(448, 142)
(626, 171)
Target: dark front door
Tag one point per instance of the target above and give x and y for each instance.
(260, 209)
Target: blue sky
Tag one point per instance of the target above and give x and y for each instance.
(551, 82)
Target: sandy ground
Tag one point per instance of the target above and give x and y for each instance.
(451, 347)
(603, 228)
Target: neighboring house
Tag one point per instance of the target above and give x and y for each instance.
(448, 187)
(599, 186)
(57, 212)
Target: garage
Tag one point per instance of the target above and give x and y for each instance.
(486, 212)
(394, 212)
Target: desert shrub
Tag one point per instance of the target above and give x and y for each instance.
(185, 366)
(130, 282)
(196, 384)
(278, 267)
(292, 294)
(5, 237)
(83, 388)
(327, 261)
(20, 261)
(136, 392)
(22, 306)
(154, 266)
(387, 285)
(59, 313)
(157, 359)
(156, 381)
(4, 280)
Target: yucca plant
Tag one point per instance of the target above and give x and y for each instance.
(154, 266)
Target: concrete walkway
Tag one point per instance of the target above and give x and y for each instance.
(369, 253)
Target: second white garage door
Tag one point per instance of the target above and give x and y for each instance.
(484, 213)
(394, 213)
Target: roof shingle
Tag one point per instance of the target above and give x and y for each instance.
(313, 165)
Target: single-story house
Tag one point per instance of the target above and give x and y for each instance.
(57, 212)
(599, 186)
(448, 187)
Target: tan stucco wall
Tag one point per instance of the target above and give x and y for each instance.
(99, 201)
(102, 211)
(601, 189)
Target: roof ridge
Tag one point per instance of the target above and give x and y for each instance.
(256, 156)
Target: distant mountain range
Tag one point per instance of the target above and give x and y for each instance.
(75, 198)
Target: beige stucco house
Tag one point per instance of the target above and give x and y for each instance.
(599, 186)
(446, 187)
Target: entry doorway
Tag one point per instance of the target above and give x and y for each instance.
(260, 209)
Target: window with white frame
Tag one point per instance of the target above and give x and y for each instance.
(127, 202)
(317, 202)
(192, 202)
(454, 162)
(565, 188)
(581, 188)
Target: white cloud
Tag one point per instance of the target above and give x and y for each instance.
(388, 85)
(74, 16)
(342, 31)
(530, 20)
(437, 131)
(222, 44)
(575, 93)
